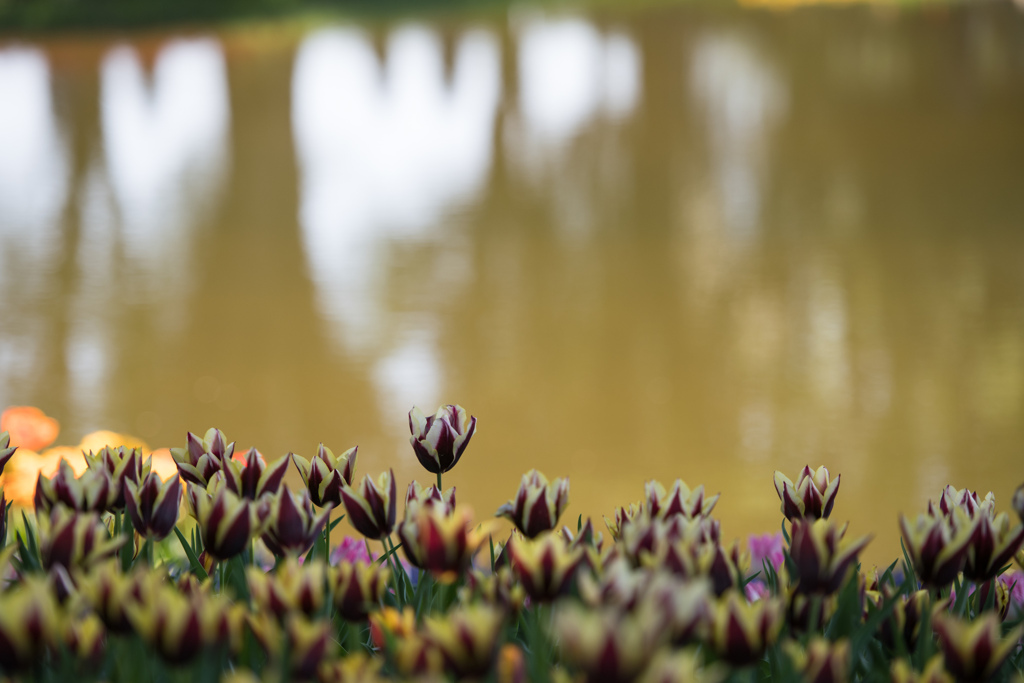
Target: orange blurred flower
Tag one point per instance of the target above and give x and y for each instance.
(29, 427)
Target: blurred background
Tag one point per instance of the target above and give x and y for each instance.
(694, 240)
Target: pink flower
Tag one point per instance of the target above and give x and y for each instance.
(352, 550)
(765, 547)
(756, 590)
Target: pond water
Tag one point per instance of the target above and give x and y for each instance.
(686, 242)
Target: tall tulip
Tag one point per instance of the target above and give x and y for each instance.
(439, 440)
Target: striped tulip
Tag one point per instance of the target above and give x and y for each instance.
(545, 565)
(679, 500)
(6, 450)
(91, 492)
(608, 645)
(975, 650)
(201, 458)
(821, 661)
(937, 545)
(325, 474)
(965, 499)
(304, 642)
(537, 504)
(179, 626)
(28, 624)
(358, 588)
(812, 496)
(822, 555)
(439, 440)
(742, 631)
(75, 539)
(624, 517)
(439, 541)
(467, 638)
(934, 671)
(994, 543)
(372, 509)
(430, 495)
(292, 588)
(122, 465)
(252, 477)
(108, 591)
(226, 521)
(1017, 503)
(290, 526)
(724, 569)
(153, 505)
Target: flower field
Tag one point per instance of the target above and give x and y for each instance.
(428, 592)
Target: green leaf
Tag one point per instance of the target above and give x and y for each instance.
(335, 522)
(197, 568)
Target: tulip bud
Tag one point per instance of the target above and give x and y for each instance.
(371, 509)
(121, 465)
(822, 555)
(822, 661)
(678, 666)
(306, 643)
(467, 638)
(624, 517)
(293, 587)
(226, 522)
(685, 606)
(430, 495)
(85, 638)
(435, 540)
(725, 569)
(28, 625)
(499, 588)
(325, 474)
(537, 504)
(201, 458)
(511, 667)
(153, 505)
(606, 644)
(108, 592)
(92, 492)
(937, 546)
(742, 631)
(998, 592)
(180, 626)
(6, 450)
(992, 546)
(679, 501)
(392, 623)
(907, 615)
(357, 588)
(545, 565)
(813, 495)
(289, 523)
(440, 439)
(75, 540)
(252, 478)
(975, 650)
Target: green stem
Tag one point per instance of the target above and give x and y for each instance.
(399, 588)
(439, 489)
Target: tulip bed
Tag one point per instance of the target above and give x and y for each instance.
(255, 591)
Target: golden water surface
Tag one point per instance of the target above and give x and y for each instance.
(679, 242)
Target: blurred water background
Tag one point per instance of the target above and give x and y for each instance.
(684, 241)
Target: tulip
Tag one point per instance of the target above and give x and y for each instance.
(937, 546)
(6, 450)
(724, 569)
(85, 638)
(680, 500)
(153, 505)
(371, 509)
(355, 667)
(993, 545)
(306, 643)
(742, 631)
(589, 541)
(606, 644)
(511, 667)
(75, 540)
(822, 554)
(108, 591)
(357, 588)
(624, 517)
(28, 624)
(677, 666)
(418, 658)
(807, 613)
(822, 661)
(202, 458)
(766, 547)
(392, 623)
(934, 672)
(92, 492)
(430, 495)
(226, 521)
(439, 440)
(180, 626)
(325, 474)
(499, 588)
(995, 590)
(435, 540)
(1017, 502)
(289, 524)
(965, 500)
(545, 565)
(121, 465)
(352, 550)
(253, 478)
(813, 495)
(907, 615)
(292, 588)
(467, 638)
(975, 650)
(537, 504)
(685, 606)
(620, 585)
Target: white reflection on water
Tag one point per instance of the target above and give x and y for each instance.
(34, 179)
(385, 150)
(166, 144)
(742, 97)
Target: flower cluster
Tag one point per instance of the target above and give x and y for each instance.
(248, 587)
